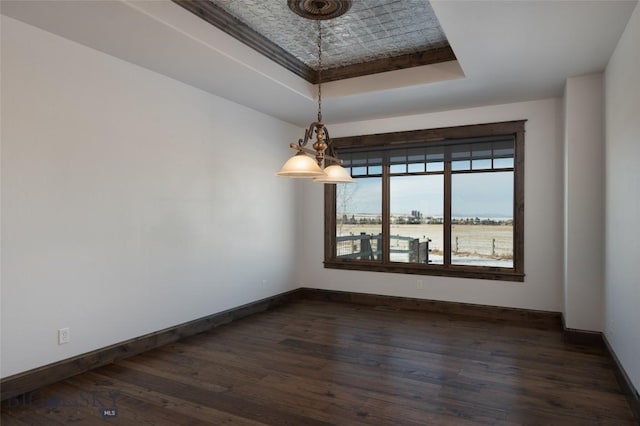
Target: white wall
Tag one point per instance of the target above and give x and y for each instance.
(622, 202)
(130, 202)
(584, 202)
(542, 288)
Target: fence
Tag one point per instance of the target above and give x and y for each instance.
(491, 248)
(369, 247)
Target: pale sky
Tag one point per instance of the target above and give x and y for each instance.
(474, 194)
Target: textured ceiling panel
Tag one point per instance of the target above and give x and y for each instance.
(370, 30)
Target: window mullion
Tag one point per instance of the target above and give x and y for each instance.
(447, 213)
(386, 211)
(330, 247)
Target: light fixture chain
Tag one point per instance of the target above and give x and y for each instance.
(301, 165)
(319, 71)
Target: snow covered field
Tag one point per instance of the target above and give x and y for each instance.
(478, 245)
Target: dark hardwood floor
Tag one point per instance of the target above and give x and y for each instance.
(320, 363)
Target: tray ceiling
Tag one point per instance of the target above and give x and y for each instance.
(499, 45)
(373, 36)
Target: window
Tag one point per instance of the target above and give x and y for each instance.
(444, 201)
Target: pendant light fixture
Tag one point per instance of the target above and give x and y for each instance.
(326, 168)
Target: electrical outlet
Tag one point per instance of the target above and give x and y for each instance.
(64, 336)
(420, 284)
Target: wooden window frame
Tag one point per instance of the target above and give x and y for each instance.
(434, 136)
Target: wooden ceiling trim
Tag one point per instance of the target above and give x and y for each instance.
(237, 29)
(219, 18)
(433, 56)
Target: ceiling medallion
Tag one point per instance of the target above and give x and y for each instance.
(319, 9)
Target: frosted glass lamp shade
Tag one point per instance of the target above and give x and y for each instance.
(335, 174)
(301, 166)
